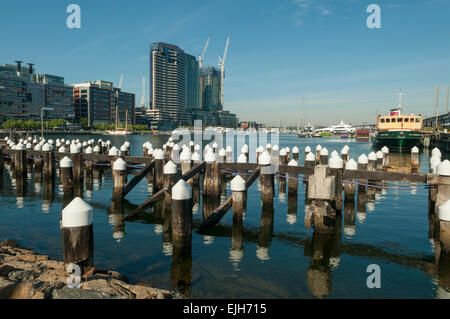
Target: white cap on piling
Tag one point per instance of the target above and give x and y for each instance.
(238, 184)
(344, 151)
(259, 149)
(324, 152)
(415, 149)
(265, 158)
(196, 157)
(171, 144)
(310, 157)
(181, 191)
(242, 158)
(436, 152)
(379, 154)
(215, 145)
(77, 214)
(47, 147)
(170, 139)
(293, 162)
(318, 147)
(295, 150)
(283, 152)
(191, 143)
(275, 148)
(58, 144)
(38, 147)
(20, 147)
(123, 148)
(351, 165)
(158, 154)
(372, 156)
(88, 150)
(74, 149)
(444, 211)
(336, 162)
(244, 148)
(307, 149)
(434, 162)
(29, 146)
(176, 147)
(197, 147)
(170, 168)
(50, 142)
(185, 155)
(84, 144)
(210, 157)
(127, 144)
(385, 150)
(229, 149)
(164, 147)
(62, 149)
(119, 165)
(97, 149)
(108, 142)
(222, 152)
(334, 153)
(150, 151)
(67, 142)
(65, 162)
(113, 151)
(287, 149)
(268, 146)
(362, 159)
(443, 169)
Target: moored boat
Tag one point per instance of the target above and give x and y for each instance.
(398, 131)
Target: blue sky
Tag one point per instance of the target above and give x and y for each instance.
(280, 50)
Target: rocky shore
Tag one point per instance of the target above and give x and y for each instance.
(27, 275)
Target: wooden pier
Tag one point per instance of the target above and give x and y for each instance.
(178, 179)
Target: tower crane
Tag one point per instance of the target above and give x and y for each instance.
(121, 81)
(200, 58)
(143, 92)
(222, 68)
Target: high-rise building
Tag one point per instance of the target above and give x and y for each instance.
(210, 89)
(192, 82)
(173, 87)
(23, 94)
(97, 101)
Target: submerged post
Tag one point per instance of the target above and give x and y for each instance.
(77, 233)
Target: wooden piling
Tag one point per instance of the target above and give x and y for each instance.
(266, 179)
(415, 160)
(211, 186)
(49, 161)
(293, 179)
(363, 162)
(238, 189)
(20, 159)
(323, 156)
(350, 187)
(318, 149)
(181, 217)
(66, 175)
(77, 233)
(158, 176)
(119, 171)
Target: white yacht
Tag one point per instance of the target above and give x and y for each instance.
(339, 129)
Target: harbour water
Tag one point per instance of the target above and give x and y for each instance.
(283, 261)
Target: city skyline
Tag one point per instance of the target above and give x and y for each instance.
(279, 51)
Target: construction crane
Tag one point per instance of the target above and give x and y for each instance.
(222, 68)
(200, 58)
(143, 92)
(121, 81)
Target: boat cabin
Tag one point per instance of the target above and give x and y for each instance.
(399, 122)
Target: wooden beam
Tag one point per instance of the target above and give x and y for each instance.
(131, 184)
(253, 177)
(238, 166)
(148, 203)
(385, 176)
(295, 170)
(434, 179)
(194, 171)
(215, 217)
